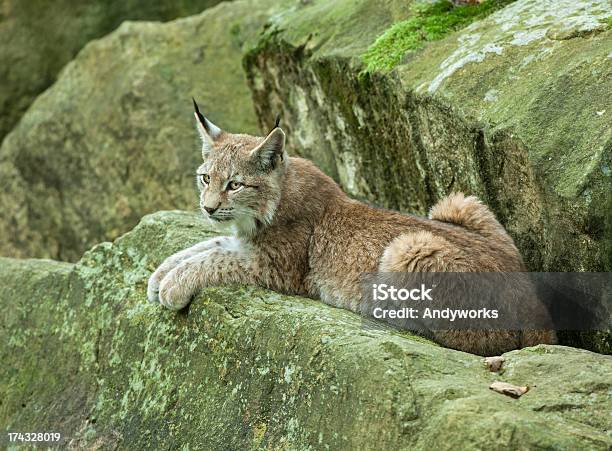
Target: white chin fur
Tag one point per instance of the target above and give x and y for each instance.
(244, 226)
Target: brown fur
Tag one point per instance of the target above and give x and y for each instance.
(298, 233)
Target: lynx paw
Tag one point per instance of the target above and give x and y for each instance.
(153, 289)
(173, 292)
(156, 278)
(153, 284)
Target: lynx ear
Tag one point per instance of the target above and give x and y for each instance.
(209, 132)
(269, 152)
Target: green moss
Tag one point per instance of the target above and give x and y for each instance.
(429, 23)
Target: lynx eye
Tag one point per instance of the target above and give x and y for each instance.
(204, 178)
(233, 185)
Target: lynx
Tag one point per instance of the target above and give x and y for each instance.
(295, 231)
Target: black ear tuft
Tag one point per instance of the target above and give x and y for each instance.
(207, 129)
(200, 116)
(276, 123)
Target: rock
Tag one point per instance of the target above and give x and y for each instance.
(514, 391)
(86, 355)
(114, 137)
(515, 108)
(494, 364)
(39, 38)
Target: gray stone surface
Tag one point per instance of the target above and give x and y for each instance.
(114, 137)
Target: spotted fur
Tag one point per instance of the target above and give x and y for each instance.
(293, 230)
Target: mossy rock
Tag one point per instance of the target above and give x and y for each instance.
(429, 21)
(86, 355)
(515, 108)
(114, 137)
(40, 36)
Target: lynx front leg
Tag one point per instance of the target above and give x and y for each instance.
(174, 260)
(229, 262)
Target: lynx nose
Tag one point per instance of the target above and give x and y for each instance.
(210, 210)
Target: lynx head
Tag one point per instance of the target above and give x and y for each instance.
(241, 178)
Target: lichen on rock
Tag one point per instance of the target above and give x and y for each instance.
(430, 21)
(244, 368)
